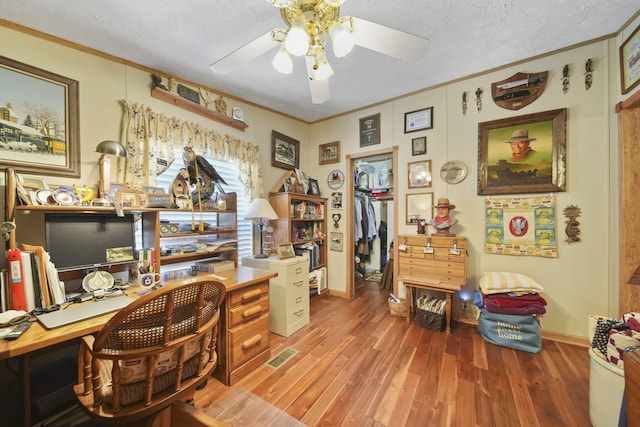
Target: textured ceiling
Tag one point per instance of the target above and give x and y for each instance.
(183, 38)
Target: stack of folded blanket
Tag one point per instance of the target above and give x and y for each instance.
(613, 336)
(510, 310)
(511, 293)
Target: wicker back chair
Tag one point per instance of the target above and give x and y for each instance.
(151, 353)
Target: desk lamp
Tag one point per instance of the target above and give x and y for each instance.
(107, 148)
(260, 210)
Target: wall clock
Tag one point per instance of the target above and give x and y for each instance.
(237, 114)
(453, 172)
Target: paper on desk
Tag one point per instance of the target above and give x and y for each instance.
(55, 285)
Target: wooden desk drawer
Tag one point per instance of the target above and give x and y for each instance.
(429, 259)
(249, 294)
(248, 340)
(435, 266)
(418, 254)
(242, 313)
(449, 277)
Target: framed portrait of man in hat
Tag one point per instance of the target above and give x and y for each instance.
(524, 154)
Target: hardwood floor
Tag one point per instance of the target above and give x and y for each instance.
(358, 365)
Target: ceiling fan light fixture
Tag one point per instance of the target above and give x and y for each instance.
(297, 40)
(283, 62)
(322, 69)
(341, 37)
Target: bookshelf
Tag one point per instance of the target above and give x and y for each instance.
(302, 221)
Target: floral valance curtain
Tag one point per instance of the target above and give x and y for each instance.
(153, 142)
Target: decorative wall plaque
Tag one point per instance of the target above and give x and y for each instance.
(519, 90)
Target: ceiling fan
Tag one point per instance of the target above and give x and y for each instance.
(310, 24)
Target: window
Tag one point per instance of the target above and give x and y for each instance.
(229, 172)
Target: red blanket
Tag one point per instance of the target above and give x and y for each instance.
(519, 305)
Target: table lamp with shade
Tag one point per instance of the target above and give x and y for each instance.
(259, 211)
(107, 149)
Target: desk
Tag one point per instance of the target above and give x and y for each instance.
(37, 338)
(432, 263)
(413, 283)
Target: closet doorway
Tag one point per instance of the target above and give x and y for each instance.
(372, 178)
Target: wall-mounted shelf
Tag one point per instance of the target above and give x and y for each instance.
(189, 105)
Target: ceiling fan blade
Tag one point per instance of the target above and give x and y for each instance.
(319, 88)
(389, 41)
(245, 54)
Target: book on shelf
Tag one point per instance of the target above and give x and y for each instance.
(51, 289)
(29, 282)
(312, 250)
(16, 280)
(5, 304)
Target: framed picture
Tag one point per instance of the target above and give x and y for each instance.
(128, 198)
(46, 141)
(314, 188)
(420, 174)
(155, 190)
(113, 189)
(336, 200)
(158, 200)
(419, 206)
(524, 154)
(415, 121)
(419, 146)
(285, 151)
(370, 130)
(329, 152)
(336, 241)
(32, 182)
(285, 250)
(629, 64)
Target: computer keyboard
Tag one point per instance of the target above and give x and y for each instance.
(86, 310)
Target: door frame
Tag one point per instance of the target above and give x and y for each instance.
(351, 159)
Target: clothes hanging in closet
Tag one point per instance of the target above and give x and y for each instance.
(365, 225)
(382, 233)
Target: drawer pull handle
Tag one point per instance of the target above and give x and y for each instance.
(252, 311)
(298, 300)
(251, 342)
(251, 294)
(299, 312)
(298, 270)
(298, 283)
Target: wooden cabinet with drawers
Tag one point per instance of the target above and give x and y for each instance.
(432, 263)
(288, 293)
(244, 324)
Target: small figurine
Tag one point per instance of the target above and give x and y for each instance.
(588, 75)
(221, 105)
(443, 220)
(479, 99)
(572, 212)
(565, 79)
(156, 80)
(422, 226)
(173, 85)
(464, 103)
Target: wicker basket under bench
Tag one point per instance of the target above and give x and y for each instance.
(443, 268)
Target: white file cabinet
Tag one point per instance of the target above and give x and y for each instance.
(288, 292)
